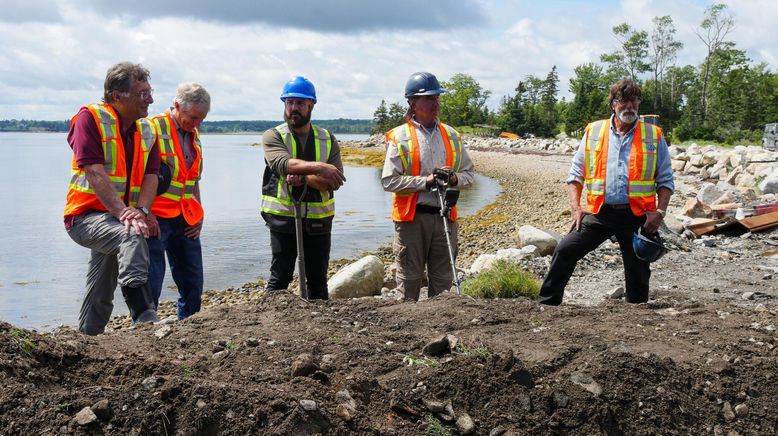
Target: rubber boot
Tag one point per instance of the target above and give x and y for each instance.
(140, 303)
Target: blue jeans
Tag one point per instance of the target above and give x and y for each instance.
(186, 264)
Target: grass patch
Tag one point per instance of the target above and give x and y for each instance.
(481, 352)
(414, 361)
(435, 427)
(25, 345)
(187, 371)
(503, 280)
(231, 345)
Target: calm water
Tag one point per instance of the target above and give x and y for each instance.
(42, 269)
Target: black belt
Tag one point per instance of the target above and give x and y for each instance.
(422, 208)
(618, 206)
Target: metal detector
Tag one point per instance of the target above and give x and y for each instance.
(298, 230)
(447, 199)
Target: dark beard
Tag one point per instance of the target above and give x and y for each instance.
(302, 120)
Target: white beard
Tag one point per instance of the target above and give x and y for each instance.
(628, 116)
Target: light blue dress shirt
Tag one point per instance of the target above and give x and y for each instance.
(617, 167)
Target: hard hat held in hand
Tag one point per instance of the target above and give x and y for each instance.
(299, 87)
(648, 248)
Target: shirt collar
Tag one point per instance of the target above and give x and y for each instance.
(430, 131)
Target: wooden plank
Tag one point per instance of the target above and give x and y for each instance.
(760, 222)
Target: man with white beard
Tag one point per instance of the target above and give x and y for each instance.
(625, 165)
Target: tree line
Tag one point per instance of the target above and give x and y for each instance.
(726, 97)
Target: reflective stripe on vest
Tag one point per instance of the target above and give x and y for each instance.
(407, 143)
(81, 197)
(641, 188)
(282, 204)
(179, 197)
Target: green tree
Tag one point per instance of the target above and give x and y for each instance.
(465, 102)
(548, 112)
(380, 119)
(664, 49)
(715, 26)
(590, 95)
(629, 60)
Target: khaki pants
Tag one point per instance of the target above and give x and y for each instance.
(115, 258)
(422, 243)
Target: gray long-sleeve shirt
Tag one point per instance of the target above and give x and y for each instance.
(277, 154)
(432, 154)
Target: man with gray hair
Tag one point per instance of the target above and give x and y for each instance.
(176, 217)
(112, 185)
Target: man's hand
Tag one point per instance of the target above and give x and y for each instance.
(137, 224)
(578, 214)
(153, 225)
(194, 230)
(295, 179)
(653, 221)
(331, 175)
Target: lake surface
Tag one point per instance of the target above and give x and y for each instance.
(42, 270)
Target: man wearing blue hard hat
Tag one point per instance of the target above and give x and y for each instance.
(302, 165)
(421, 154)
(624, 163)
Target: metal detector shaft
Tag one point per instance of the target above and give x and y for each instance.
(298, 230)
(447, 229)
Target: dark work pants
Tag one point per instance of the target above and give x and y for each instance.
(317, 258)
(185, 257)
(595, 229)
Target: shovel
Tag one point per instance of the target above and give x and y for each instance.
(298, 230)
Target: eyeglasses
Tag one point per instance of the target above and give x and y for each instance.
(625, 101)
(142, 94)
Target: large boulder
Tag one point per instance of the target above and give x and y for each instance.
(694, 208)
(529, 235)
(484, 261)
(362, 278)
(770, 184)
(709, 193)
(517, 255)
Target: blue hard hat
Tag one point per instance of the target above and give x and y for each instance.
(648, 248)
(422, 83)
(299, 87)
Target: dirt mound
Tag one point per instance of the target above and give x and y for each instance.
(280, 365)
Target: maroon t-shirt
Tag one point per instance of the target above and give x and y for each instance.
(84, 139)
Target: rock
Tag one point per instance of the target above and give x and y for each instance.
(587, 382)
(102, 409)
(484, 261)
(725, 198)
(747, 295)
(304, 366)
(85, 417)
(434, 406)
(201, 404)
(362, 278)
(465, 424)
(770, 184)
(344, 413)
(709, 193)
(220, 355)
(729, 415)
(149, 382)
(694, 208)
(545, 242)
(674, 224)
(516, 255)
(252, 342)
(616, 293)
(440, 346)
(741, 410)
(309, 405)
(677, 164)
(344, 398)
(163, 332)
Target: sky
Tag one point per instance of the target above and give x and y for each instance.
(54, 54)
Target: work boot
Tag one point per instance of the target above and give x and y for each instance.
(140, 303)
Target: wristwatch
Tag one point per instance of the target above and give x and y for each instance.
(144, 210)
(662, 212)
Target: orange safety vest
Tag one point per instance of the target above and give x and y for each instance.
(81, 197)
(641, 189)
(179, 197)
(407, 142)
